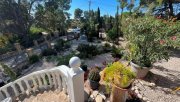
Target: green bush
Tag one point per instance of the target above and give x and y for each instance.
(33, 59)
(35, 33)
(49, 52)
(67, 45)
(107, 47)
(59, 46)
(8, 71)
(150, 39)
(117, 52)
(112, 35)
(64, 60)
(87, 51)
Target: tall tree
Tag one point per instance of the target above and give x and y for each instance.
(130, 6)
(52, 14)
(99, 17)
(123, 4)
(78, 13)
(165, 6)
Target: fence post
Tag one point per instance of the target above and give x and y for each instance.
(76, 80)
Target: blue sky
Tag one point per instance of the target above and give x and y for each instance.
(106, 6)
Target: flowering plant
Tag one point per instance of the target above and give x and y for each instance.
(150, 39)
(118, 74)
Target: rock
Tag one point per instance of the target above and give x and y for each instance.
(99, 98)
(152, 84)
(91, 96)
(91, 99)
(27, 92)
(136, 91)
(132, 88)
(139, 96)
(95, 93)
(102, 95)
(144, 99)
(135, 87)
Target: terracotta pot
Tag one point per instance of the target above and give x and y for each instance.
(118, 94)
(141, 72)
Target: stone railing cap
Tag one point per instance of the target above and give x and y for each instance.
(75, 62)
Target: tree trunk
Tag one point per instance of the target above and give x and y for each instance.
(170, 8)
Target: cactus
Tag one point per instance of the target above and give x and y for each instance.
(94, 75)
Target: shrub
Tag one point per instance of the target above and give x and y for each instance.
(35, 33)
(64, 60)
(112, 35)
(59, 45)
(107, 47)
(87, 51)
(67, 45)
(8, 71)
(33, 59)
(117, 52)
(118, 74)
(49, 52)
(150, 39)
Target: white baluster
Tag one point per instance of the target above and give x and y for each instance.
(21, 87)
(64, 85)
(50, 79)
(15, 89)
(6, 92)
(44, 80)
(54, 80)
(39, 81)
(27, 84)
(1, 96)
(34, 83)
(58, 80)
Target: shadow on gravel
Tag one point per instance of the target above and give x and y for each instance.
(167, 81)
(176, 53)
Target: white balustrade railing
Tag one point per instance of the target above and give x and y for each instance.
(69, 80)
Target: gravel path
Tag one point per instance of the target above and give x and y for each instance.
(166, 76)
(48, 96)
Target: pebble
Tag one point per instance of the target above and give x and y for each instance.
(152, 84)
(135, 87)
(102, 95)
(139, 95)
(27, 92)
(95, 93)
(144, 98)
(136, 91)
(99, 98)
